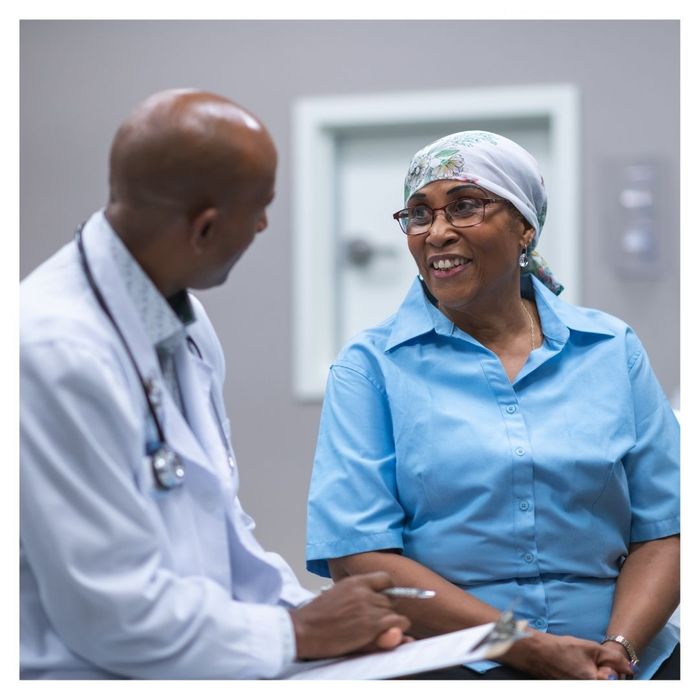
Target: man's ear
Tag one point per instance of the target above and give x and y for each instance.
(201, 229)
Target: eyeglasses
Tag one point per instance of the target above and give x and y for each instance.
(462, 213)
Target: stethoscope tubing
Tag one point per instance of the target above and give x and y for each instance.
(162, 454)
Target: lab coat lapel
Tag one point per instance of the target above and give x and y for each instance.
(180, 436)
(256, 578)
(195, 378)
(177, 432)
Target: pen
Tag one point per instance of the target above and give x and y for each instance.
(403, 592)
(398, 592)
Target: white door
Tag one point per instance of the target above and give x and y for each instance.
(375, 268)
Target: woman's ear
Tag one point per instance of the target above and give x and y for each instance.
(202, 229)
(522, 228)
(527, 236)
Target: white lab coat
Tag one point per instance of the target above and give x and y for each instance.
(117, 578)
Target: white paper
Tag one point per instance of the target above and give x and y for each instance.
(445, 650)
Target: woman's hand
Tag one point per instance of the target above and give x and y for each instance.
(605, 671)
(545, 655)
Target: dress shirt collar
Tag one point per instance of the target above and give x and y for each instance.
(417, 316)
(164, 320)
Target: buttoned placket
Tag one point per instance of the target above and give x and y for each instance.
(508, 395)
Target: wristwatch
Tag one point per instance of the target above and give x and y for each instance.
(631, 652)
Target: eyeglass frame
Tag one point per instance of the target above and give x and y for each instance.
(484, 201)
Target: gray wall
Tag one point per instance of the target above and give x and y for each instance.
(79, 79)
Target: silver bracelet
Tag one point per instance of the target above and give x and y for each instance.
(629, 649)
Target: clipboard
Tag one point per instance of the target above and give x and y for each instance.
(452, 649)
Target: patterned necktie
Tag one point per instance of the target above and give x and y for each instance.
(166, 358)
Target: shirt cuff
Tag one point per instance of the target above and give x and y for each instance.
(318, 553)
(270, 639)
(289, 642)
(642, 532)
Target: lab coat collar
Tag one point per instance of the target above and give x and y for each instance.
(178, 433)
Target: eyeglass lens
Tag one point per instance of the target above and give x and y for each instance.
(462, 212)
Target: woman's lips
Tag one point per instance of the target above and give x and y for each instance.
(448, 272)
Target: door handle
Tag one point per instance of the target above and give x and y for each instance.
(359, 252)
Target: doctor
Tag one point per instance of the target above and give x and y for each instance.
(136, 558)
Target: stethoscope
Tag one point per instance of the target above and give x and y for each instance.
(168, 470)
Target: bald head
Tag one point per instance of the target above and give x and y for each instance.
(184, 150)
(191, 175)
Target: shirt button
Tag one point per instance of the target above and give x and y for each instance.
(539, 623)
(529, 557)
(524, 505)
(519, 451)
(511, 408)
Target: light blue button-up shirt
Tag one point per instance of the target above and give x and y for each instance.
(529, 491)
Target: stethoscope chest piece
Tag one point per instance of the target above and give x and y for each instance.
(167, 468)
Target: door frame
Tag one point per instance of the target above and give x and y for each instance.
(316, 123)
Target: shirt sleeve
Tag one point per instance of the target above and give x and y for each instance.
(353, 504)
(96, 548)
(653, 464)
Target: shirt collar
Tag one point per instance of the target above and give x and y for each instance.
(558, 317)
(413, 317)
(164, 320)
(417, 316)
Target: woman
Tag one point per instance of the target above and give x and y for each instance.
(500, 446)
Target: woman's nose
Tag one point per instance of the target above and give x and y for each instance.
(441, 230)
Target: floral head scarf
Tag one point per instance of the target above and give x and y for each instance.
(500, 166)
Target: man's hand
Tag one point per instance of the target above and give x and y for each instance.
(552, 656)
(351, 616)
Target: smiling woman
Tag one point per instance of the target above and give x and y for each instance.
(499, 446)
(469, 260)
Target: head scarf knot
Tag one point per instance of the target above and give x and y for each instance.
(496, 164)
